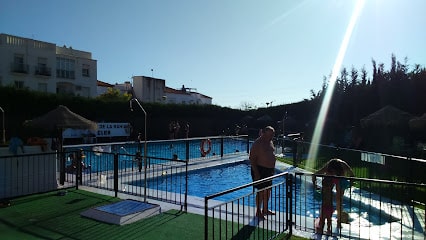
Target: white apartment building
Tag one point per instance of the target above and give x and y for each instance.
(45, 67)
(185, 96)
(148, 89)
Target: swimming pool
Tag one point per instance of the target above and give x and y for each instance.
(208, 181)
(100, 157)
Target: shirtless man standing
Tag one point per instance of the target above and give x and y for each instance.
(262, 161)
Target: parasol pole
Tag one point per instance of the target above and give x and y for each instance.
(61, 158)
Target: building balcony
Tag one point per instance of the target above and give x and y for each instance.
(68, 74)
(43, 71)
(19, 68)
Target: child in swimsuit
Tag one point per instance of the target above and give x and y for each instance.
(327, 208)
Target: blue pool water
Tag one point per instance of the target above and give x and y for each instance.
(100, 157)
(306, 201)
(204, 182)
(218, 179)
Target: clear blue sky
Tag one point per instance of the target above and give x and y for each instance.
(235, 51)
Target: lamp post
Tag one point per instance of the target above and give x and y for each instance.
(144, 151)
(4, 132)
(284, 118)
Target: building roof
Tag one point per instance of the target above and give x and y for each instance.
(103, 84)
(175, 91)
(179, 91)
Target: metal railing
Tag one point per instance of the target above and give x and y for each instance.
(376, 209)
(43, 70)
(121, 173)
(237, 219)
(365, 164)
(113, 167)
(19, 67)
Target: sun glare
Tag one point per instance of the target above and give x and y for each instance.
(313, 150)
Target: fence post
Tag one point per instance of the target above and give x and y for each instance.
(289, 202)
(187, 150)
(206, 218)
(337, 152)
(221, 146)
(116, 174)
(248, 144)
(410, 170)
(61, 155)
(186, 176)
(78, 173)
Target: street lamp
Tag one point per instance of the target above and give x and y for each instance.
(283, 144)
(144, 151)
(4, 132)
(284, 118)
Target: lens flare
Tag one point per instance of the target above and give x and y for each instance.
(313, 150)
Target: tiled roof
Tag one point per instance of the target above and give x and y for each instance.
(103, 84)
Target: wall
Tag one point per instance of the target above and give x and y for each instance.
(26, 173)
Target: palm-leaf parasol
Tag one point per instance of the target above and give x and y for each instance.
(59, 119)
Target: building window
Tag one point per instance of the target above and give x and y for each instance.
(42, 62)
(19, 59)
(19, 84)
(65, 68)
(85, 71)
(41, 68)
(42, 87)
(18, 64)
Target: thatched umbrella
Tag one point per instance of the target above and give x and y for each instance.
(418, 123)
(388, 116)
(59, 119)
(382, 126)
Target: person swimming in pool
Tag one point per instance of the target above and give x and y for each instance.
(262, 161)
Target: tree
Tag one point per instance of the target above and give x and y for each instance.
(245, 106)
(113, 94)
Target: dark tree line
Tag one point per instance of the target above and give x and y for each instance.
(356, 94)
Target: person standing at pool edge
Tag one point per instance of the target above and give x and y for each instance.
(262, 161)
(337, 167)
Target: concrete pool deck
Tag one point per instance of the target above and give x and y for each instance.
(356, 229)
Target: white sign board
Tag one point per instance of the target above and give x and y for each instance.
(113, 130)
(373, 158)
(104, 130)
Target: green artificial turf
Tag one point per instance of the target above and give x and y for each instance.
(51, 216)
